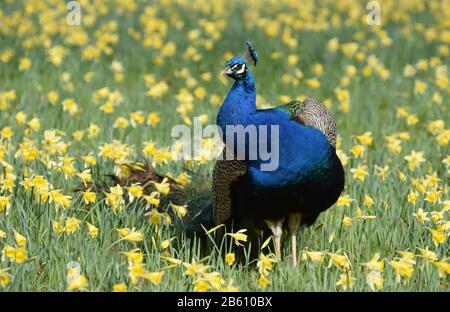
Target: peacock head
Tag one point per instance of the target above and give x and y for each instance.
(237, 67)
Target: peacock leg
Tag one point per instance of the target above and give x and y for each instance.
(293, 223)
(276, 226)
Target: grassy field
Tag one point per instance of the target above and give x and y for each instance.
(79, 102)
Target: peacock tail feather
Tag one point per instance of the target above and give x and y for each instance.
(225, 173)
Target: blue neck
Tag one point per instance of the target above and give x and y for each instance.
(239, 104)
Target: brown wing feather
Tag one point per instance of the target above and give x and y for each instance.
(314, 114)
(224, 174)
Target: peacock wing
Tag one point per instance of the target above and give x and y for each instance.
(224, 174)
(314, 114)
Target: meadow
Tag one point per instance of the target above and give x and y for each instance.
(79, 102)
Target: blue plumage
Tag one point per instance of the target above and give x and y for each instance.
(309, 177)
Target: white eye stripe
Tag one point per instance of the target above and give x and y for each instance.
(241, 70)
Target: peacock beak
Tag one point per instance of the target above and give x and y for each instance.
(227, 71)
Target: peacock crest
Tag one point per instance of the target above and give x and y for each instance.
(251, 53)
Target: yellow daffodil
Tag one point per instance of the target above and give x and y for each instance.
(443, 267)
(427, 255)
(263, 282)
(346, 222)
(163, 187)
(135, 191)
(5, 203)
(265, 263)
(93, 231)
(421, 216)
(414, 160)
(201, 286)
(194, 268)
(76, 281)
(131, 235)
(89, 197)
(340, 261)
(402, 268)
(85, 176)
(344, 200)
(166, 243)
(5, 278)
(134, 255)
(375, 280)
(24, 64)
(17, 255)
(360, 172)
(72, 224)
(346, 280)
(121, 287)
(314, 256)
(368, 201)
(180, 210)
(154, 277)
(230, 258)
(152, 199)
(375, 264)
(20, 239)
(239, 236)
(154, 216)
(365, 138)
(57, 227)
(438, 237)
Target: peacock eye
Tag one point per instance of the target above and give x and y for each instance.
(236, 67)
(240, 69)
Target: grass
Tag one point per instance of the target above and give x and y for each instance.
(373, 103)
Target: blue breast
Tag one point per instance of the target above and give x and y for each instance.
(302, 152)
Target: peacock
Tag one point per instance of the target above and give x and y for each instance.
(309, 177)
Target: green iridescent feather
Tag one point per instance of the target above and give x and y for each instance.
(293, 108)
